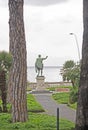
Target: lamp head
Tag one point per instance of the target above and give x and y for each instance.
(71, 33)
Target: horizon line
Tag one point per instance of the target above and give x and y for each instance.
(45, 66)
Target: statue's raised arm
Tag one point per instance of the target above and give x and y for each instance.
(39, 65)
(45, 58)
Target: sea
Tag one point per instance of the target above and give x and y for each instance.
(51, 73)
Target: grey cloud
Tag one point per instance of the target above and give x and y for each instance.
(3, 3)
(43, 2)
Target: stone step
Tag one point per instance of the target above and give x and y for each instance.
(40, 92)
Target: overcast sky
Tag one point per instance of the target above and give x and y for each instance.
(47, 27)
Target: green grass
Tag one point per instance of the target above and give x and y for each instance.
(73, 106)
(33, 105)
(61, 98)
(35, 122)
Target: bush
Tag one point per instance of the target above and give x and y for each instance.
(73, 95)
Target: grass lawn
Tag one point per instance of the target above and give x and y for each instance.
(36, 121)
(74, 105)
(33, 105)
(63, 98)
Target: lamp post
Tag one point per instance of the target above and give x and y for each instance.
(76, 43)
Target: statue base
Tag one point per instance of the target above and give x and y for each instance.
(40, 80)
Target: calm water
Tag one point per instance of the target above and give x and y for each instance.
(52, 74)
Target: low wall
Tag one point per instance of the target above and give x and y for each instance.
(32, 85)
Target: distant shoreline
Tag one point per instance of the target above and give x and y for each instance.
(46, 66)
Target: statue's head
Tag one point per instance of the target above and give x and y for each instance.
(39, 55)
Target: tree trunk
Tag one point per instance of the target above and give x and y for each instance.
(18, 72)
(82, 107)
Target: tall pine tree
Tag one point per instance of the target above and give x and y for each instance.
(18, 72)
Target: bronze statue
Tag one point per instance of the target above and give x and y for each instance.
(39, 65)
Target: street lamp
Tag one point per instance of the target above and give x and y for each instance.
(76, 43)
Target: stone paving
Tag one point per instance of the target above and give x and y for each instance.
(51, 106)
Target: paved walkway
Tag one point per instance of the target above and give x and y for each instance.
(51, 106)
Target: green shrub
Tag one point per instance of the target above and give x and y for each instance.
(73, 95)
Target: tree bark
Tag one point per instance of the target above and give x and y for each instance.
(18, 72)
(82, 107)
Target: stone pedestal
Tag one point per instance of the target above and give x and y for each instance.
(40, 80)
